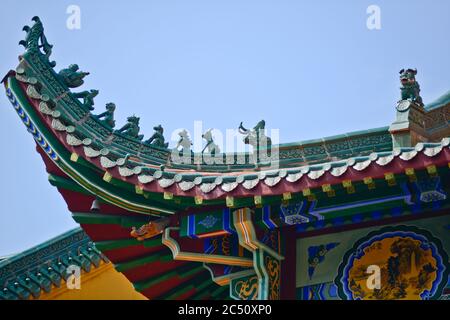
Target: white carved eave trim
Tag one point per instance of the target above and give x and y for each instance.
(382, 161)
(165, 183)
(314, 175)
(229, 186)
(431, 152)
(73, 141)
(125, 171)
(272, 181)
(293, 177)
(43, 107)
(360, 166)
(57, 125)
(406, 156)
(207, 187)
(145, 178)
(32, 92)
(107, 163)
(137, 170)
(338, 171)
(186, 185)
(250, 184)
(91, 153)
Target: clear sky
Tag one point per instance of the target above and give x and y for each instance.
(309, 68)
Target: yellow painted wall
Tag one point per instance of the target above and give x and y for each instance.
(102, 283)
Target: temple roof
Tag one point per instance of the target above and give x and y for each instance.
(90, 152)
(43, 267)
(439, 102)
(118, 188)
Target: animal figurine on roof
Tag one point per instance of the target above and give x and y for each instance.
(256, 137)
(211, 146)
(72, 77)
(157, 139)
(410, 88)
(88, 98)
(184, 142)
(131, 128)
(107, 117)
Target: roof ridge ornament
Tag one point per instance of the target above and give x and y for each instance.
(410, 90)
(35, 40)
(257, 138)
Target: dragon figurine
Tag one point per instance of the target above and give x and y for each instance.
(71, 77)
(150, 229)
(131, 128)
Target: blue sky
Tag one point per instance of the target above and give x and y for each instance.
(309, 68)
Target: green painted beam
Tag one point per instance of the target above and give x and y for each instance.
(163, 255)
(67, 184)
(178, 272)
(97, 218)
(203, 277)
(123, 243)
(204, 289)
